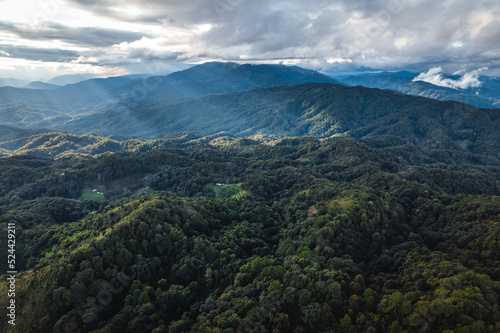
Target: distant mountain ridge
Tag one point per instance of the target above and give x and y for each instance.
(11, 82)
(40, 85)
(486, 96)
(208, 78)
(97, 95)
(219, 78)
(62, 80)
(311, 109)
(271, 100)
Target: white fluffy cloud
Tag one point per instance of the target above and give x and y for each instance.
(435, 76)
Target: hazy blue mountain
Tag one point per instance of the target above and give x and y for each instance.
(95, 90)
(40, 85)
(209, 78)
(312, 109)
(42, 97)
(11, 82)
(486, 96)
(28, 115)
(218, 78)
(406, 74)
(74, 98)
(62, 80)
(137, 76)
(342, 77)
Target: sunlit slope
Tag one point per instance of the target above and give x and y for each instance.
(311, 109)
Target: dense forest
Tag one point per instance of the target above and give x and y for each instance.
(248, 198)
(227, 234)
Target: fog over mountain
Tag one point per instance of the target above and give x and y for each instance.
(470, 88)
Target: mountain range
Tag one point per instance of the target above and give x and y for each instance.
(247, 198)
(487, 95)
(12, 82)
(247, 100)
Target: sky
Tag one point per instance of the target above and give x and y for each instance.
(40, 39)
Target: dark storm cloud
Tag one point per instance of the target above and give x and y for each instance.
(36, 54)
(95, 37)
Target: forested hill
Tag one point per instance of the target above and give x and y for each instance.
(219, 78)
(315, 109)
(238, 198)
(54, 108)
(248, 100)
(230, 235)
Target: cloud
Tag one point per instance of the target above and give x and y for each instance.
(38, 54)
(468, 80)
(85, 60)
(34, 70)
(181, 13)
(391, 35)
(338, 60)
(160, 48)
(80, 36)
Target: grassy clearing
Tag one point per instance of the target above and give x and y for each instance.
(89, 195)
(228, 191)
